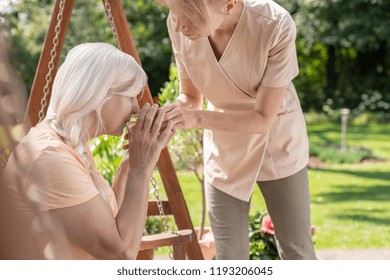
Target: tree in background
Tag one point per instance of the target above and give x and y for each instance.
(344, 54)
(343, 46)
(28, 22)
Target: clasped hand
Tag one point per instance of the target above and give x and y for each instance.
(148, 137)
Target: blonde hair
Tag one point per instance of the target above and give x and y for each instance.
(90, 75)
(196, 12)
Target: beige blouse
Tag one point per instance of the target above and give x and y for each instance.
(46, 175)
(260, 52)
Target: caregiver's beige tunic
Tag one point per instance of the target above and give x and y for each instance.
(260, 52)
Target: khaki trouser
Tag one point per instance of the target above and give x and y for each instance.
(288, 204)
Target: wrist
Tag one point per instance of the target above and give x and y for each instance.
(179, 102)
(199, 119)
(139, 171)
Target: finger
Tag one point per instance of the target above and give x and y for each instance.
(170, 107)
(171, 114)
(170, 136)
(149, 118)
(126, 146)
(166, 134)
(177, 121)
(158, 122)
(141, 117)
(164, 125)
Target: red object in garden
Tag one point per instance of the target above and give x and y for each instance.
(267, 226)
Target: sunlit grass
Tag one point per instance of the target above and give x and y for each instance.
(349, 202)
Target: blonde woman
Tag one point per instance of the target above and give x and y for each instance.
(241, 56)
(94, 93)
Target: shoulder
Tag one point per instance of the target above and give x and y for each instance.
(41, 148)
(266, 9)
(271, 16)
(274, 21)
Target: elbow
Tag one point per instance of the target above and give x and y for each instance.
(118, 251)
(130, 251)
(127, 254)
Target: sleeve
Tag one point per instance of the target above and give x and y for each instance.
(178, 49)
(282, 64)
(61, 180)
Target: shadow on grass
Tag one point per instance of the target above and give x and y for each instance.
(365, 217)
(376, 175)
(357, 193)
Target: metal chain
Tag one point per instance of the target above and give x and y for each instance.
(107, 6)
(161, 211)
(153, 181)
(53, 55)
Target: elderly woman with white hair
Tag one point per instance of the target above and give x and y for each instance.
(94, 93)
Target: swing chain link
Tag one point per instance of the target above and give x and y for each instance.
(111, 20)
(53, 55)
(162, 214)
(153, 181)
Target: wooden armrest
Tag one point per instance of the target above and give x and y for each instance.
(166, 239)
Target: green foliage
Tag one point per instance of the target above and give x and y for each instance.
(107, 152)
(148, 25)
(262, 244)
(343, 46)
(28, 22)
(186, 147)
(170, 91)
(153, 225)
(331, 153)
(344, 54)
(349, 202)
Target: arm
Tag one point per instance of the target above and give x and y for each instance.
(92, 226)
(119, 184)
(266, 108)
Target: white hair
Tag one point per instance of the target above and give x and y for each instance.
(89, 76)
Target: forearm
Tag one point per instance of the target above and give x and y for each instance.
(119, 184)
(132, 213)
(244, 122)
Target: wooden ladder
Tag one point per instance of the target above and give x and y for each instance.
(184, 244)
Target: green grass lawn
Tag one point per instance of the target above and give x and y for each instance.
(350, 202)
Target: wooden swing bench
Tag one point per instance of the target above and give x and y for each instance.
(183, 241)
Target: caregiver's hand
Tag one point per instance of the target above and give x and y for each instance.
(181, 118)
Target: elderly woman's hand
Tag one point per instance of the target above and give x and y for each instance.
(147, 138)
